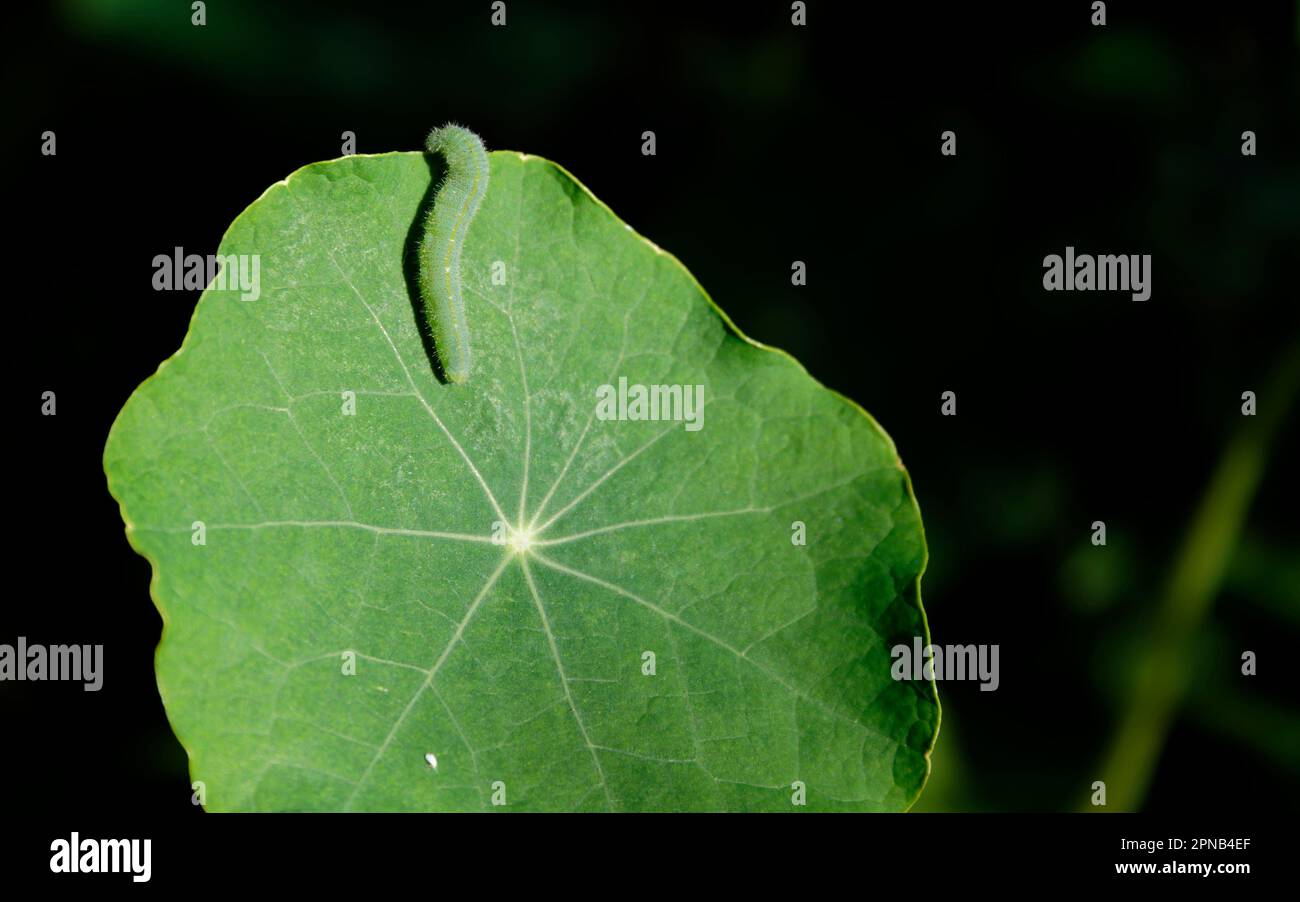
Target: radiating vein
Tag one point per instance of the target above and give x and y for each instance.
(519, 352)
(420, 395)
(653, 521)
(333, 524)
(705, 634)
(433, 672)
(528, 421)
(627, 459)
(577, 446)
(564, 681)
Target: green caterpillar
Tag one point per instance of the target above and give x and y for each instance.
(455, 203)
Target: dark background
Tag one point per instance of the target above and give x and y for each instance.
(775, 144)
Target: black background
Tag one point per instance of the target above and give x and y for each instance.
(774, 144)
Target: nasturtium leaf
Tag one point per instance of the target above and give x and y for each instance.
(678, 619)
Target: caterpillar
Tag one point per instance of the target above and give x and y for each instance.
(455, 204)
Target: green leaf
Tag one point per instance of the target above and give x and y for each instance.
(525, 672)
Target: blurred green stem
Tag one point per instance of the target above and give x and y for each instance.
(1161, 676)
